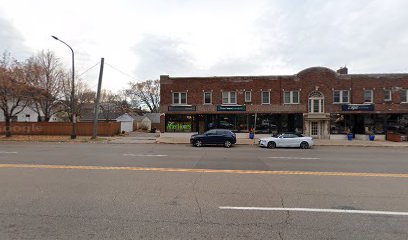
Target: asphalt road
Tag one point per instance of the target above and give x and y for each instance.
(152, 191)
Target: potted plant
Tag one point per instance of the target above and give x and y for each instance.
(371, 135)
(349, 135)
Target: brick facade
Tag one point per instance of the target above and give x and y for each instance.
(306, 81)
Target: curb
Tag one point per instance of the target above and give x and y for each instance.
(318, 145)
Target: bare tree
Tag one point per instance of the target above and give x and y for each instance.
(15, 92)
(45, 71)
(113, 104)
(147, 93)
(84, 97)
(123, 104)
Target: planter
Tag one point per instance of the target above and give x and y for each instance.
(371, 137)
(349, 136)
(395, 137)
(251, 135)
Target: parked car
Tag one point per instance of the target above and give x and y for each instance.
(287, 140)
(214, 137)
(221, 125)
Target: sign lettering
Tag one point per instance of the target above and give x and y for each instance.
(357, 107)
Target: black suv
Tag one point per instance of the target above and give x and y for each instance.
(214, 136)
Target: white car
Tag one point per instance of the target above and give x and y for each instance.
(287, 140)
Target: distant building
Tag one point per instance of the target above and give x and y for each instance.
(27, 115)
(147, 121)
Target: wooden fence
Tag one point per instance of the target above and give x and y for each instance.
(61, 128)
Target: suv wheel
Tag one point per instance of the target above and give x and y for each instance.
(198, 143)
(227, 144)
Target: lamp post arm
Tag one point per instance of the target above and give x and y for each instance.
(73, 112)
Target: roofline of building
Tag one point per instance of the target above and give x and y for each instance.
(292, 75)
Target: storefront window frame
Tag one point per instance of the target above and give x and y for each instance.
(264, 97)
(227, 97)
(179, 98)
(248, 96)
(342, 96)
(404, 94)
(204, 95)
(387, 95)
(291, 96)
(368, 98)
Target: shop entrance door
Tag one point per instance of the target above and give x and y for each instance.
(315, 129)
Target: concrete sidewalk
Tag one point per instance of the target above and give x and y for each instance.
(136, 137)
(318, 142)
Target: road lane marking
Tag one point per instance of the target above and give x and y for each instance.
(341, 174)
(316, 210)
(8, 152)
(295, 158)
(143, 155)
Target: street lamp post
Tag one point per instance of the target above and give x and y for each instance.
(73, 132)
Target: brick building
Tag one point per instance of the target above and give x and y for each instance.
(317, 101)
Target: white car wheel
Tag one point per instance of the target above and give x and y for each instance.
(304, 145)
(271, 145)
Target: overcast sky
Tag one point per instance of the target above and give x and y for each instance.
(145, 39)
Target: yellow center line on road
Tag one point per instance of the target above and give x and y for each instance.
(344, 174)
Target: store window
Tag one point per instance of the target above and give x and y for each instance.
(387, 95)
(226, 121)
(207, 98)
(291, 97)
(266, 123)
(398, 123)
(229, 97)
(179, 98)
(340, 123)
(368, 96)
(379, 123)
(277, 123)
(266, 97)
(242, 123)
(341, 96)
(179, 123)
(247, 96)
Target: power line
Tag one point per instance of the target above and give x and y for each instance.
(88, 69)
(122, 72)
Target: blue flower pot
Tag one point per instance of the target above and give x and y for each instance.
(349, 137)
(251, 135)
(371, 137)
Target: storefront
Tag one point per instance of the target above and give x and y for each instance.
(316, 101)
(364, 123)
(261, 123)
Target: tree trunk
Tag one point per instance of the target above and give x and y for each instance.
(8, 127)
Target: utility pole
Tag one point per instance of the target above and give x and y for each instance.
(98, 96)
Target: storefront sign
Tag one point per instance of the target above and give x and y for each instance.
(357, 107)
(231, 108)
(179, 127)
(182, 108)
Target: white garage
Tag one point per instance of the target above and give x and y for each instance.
(126, 123)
